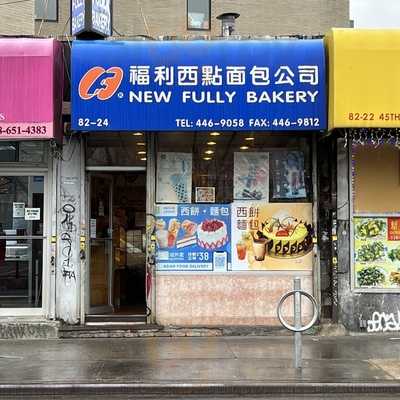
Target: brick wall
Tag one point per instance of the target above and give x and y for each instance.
(17, 19)
(168, 17)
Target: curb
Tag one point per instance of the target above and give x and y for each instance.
(284, 388)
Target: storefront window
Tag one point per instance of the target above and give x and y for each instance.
(232, 166)
(21, 240)
(233, 202)
(376, 170)
(121, 149)
(198, 14)
(376, 216)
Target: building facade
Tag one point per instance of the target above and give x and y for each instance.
(173, 18)
(204, 222)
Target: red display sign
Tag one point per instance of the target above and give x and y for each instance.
(393, 228)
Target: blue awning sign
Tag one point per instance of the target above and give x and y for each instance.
(199, 85)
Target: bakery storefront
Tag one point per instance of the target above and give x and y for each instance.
(226, 132)
(30, 118)
(365, 119)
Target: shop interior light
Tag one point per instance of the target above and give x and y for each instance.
(141, 152)
(137, 134)
(211, 143)
(143, 159)
(140, 144)
(209, 152)
(244, 147)
(249, 138)
(215, 134)
(207, 158)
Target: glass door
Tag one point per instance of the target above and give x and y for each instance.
(101, 279)
(22, 240)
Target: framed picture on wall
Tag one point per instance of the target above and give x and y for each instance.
(205, 194)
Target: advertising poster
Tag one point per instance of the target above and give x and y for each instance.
(288, 176)
(201, 85)
(377, 252)
(174, 178)
(193, 237)
(251, 172)
(271, 236)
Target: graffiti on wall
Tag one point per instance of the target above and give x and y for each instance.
(68, 232)
(384, 322)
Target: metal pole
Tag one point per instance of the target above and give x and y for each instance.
(297, 324)
(36, 282)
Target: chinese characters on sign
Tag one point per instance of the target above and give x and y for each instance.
(193, 237)
(394, 229)
(172, 86)
(213, 75)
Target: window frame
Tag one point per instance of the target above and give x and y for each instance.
(189, 28)
(56, 19)
(42, 311)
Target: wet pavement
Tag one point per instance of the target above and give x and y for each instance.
(219, 362)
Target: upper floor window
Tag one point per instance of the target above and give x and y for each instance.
(198, 14)
(46, 10)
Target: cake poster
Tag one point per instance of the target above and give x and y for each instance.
(193, 237)
(377, 252)
(271, 236)
(251, 172)
(174, 178)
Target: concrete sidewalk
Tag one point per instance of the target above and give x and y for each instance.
(211, 366)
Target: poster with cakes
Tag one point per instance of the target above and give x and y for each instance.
(193, 237)
(271, 236)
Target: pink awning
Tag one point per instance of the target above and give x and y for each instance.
(31, 89)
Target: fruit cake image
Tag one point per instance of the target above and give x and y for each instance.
(212, 234)
(287, 237)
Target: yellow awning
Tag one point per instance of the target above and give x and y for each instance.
(364, 78)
